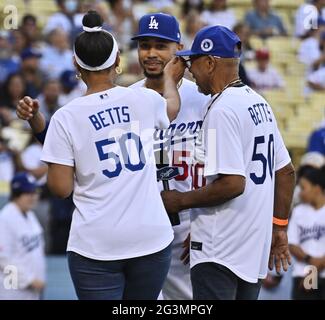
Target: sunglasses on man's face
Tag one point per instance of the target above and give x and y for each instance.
(190, 59)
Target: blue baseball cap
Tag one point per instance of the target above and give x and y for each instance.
(30, 53)
(215, 41)
(23, 182)
(159, 25)
(68, 79)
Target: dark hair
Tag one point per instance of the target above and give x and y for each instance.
(6, 98)
(15, 195)
(314, 175)
(187, 6)
(93, 48)
(29, 17)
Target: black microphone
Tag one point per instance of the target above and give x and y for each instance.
(164, 174)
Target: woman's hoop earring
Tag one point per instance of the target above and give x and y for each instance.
(118, 70)
(78, 76)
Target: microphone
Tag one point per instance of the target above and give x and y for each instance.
(164, 174)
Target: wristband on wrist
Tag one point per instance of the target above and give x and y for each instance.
(280, 222)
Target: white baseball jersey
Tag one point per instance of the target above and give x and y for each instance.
(108, 138)
(21, 253)
(307, 230)
(240, 138)
(30, 158)
(178, 139)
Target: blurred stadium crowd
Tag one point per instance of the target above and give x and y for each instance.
(283, 58)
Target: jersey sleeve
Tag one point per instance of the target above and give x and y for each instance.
(293, 232)
(282, 157)
(57, 145)
(223, 145)
(159, 104)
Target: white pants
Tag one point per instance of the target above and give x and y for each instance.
(178, 286)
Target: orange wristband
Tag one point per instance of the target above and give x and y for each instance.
(280, 222)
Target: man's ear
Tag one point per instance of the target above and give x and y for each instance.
(211, 63)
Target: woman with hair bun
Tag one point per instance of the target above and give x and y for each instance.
(100, 146)
(307, 237)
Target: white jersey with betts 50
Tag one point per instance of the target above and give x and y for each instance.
(241, 137)
(107, 138)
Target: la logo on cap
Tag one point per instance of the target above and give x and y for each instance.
(153, 23)
(206, 45)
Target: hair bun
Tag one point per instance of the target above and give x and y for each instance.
(92, 20)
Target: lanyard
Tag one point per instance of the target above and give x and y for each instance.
(234, 83)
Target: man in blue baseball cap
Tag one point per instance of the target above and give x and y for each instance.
(21, 242)
(159, 39)
(214, 49)
(250, 178)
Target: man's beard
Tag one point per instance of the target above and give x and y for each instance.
(153, 76)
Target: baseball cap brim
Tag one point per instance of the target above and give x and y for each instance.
(184, 53)
(153, 35)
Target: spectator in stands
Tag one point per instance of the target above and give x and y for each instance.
(66, 19)
(31, 163)
(21, 243)
(244, 33)
(263, 21)
(8, 64)
(7, 170)
(19, 43)
(308, 160)
(312, 50)
(123, 22)
(70, 87)
(316, 141)
(306, 235)
(189, 5)
(161, 4)
(316, 80)
(31, 72)
(193, 23)
(57, 55)
(14, 89)
(30, 30)
(49, 98)
(308, 17)
(219, 13)
(264, 76)
(103, 10)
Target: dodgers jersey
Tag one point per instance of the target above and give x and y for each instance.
(307, 230)
(240, 137)
(21, 251)
(178, 139)
(108, 138)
